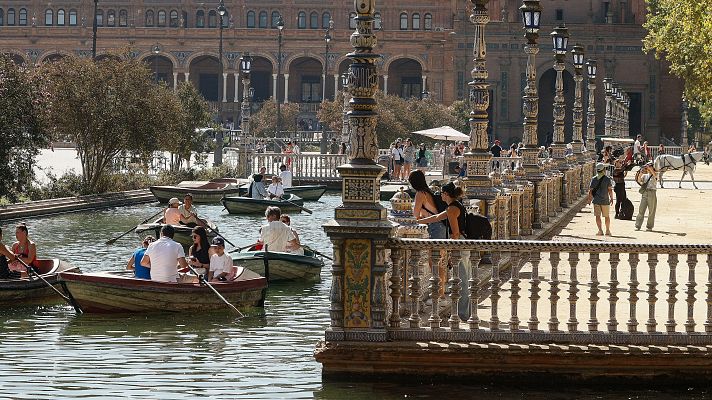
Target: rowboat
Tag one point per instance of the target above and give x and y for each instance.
(121, 292)
(33, 291)
(202, 192)
(246, 205)
(282, 266)
(182, 232)
(306, 192)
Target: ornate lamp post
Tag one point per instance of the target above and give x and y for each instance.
(245, 67)
(608, 87)
(94, 28)
(327, 40)
(155, 51)
(280, 28)
(345, 90)
(577, 142)
(591, 69)
(626, 120)
(616, 110)
(217, 157)
(560, 37)
(531, 16)
(685, 125)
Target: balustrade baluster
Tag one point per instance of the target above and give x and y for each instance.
(533, 322)
(554, 258)
(691, 292)
(434, 319)
(613, 292)
(336, 308)
(494, 295)
(516, 258)
(633, 260)
(474, 287)
(708, 322)
(455, 281)
(394, 320)
(670, 324)
(573, 291)
(651, 324)
(414, 289)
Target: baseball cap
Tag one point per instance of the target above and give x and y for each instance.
(173, 200)
(218, 241)
(601, 166)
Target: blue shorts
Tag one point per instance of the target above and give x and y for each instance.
(437, 230)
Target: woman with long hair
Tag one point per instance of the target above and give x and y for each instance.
(199, 251)
(23, 248)
(425, 205)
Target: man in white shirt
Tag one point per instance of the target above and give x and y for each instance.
(285, 176)
(277, 236)
(637, 148)
(275, 189)
(164, 256)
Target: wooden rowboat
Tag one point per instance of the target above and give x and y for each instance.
(306, 192)
(209, 192)
(182, 232)
(121, 292)
(33, 291)
(282, 266)
(246, 205)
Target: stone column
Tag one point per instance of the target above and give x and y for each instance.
(186, 75)
(274, 87)
(478, 183)
(224, 87)
(360, 228)
(385, 84)
(286, 88)
(175, 80)
(336, 84)
(424, 83)
(237, 87)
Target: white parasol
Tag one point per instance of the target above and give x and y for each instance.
(444, 133)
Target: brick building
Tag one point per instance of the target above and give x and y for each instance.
(426, 45)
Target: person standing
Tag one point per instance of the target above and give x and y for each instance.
(408, 158)
(286, 176)
(397, 158)
(164, 256)
(618, 175)
(334, 147)
(601, 194)
(637, 148)
(648, 200)
(496, 149)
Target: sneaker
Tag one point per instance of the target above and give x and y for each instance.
(648, 229)
(599, 234)
(609, 233)
(637, 228)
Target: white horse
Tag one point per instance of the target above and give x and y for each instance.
(686, 162)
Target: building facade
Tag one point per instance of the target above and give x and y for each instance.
(426, 46)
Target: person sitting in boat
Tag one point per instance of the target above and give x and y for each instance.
(188, 213)
(275, 189)
(286, 176)
(257, 188)
(290, 249)
(24, 249)
(134, 263)
(164, 256)
(172, 215)
(221, 268)
(275, 235)
(5, 256)
(199, 251)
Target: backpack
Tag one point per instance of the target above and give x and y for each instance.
(477, 227)
(440, 204)
(626, 210)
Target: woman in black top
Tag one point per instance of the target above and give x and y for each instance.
(455, 212)
(199, 251)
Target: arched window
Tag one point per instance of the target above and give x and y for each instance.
(250, 19)
(49, 17)
(302, 20)
(200, 19)
(23, 17)
(60, 18)
(184, 15)
(404, 21)
(416, 22)
(72, 17)
(123, 17)
(377, 21)
(149, 18)
(100, 18)
(428, 22)
(2, 17)
(161, 18)
(10, 16)
(314, 20)
(212, 19)
(352, 20)
(325, 18)
(111, 18)
(174, 19)
(263, 19)
(275, 18)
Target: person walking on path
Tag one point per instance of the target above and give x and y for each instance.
(601, 194)
(648, 200)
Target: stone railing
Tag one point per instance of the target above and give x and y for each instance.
(303, 166)
(551, 292)
(500, 164)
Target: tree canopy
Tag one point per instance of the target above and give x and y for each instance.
(263, 123)
(21, 129)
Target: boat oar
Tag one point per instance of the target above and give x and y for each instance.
(205, 223)
(203, 281)
(111, 241)
(239, 249)
(308, 211)
(69, 299)
(318, 252)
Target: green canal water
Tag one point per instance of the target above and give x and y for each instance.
(51, 353)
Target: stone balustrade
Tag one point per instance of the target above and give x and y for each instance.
(311, 166)
(553, 292)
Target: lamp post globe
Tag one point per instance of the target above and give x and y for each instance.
(591, 69)
(531, 15)
(560, 38)
(246, 63)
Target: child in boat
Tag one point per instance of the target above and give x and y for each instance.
(221, 268)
